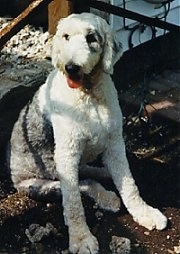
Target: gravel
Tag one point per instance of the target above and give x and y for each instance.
(28, 52)
(24, 59)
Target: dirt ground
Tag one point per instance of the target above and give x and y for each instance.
(156, 173)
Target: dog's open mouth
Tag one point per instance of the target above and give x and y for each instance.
(76, 78)
(75, 81)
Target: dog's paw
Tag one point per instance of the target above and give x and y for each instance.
(109, 201)
(86, 245)
(152, 218)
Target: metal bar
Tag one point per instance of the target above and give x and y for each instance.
(21, 20)
(116, 10)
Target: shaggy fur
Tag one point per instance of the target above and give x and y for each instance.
(74, 117)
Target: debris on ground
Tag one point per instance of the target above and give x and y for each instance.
(36, 233)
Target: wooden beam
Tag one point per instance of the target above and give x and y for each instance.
(21, 20)
(56, 10)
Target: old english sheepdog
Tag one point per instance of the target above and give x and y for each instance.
(74, 117)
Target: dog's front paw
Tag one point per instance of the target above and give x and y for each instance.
(84, 245)
(151, 218)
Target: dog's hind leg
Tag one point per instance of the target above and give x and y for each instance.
(105, 199)
(40, 189)
(49, 190)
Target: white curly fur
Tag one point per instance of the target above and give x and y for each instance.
(86, 122)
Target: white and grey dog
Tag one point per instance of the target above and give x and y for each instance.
(74, 117)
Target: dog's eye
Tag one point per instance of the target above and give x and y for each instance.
(66, 37)
(90, 38)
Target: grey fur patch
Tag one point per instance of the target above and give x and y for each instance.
(32, 145)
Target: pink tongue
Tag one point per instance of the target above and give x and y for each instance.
(74, 83)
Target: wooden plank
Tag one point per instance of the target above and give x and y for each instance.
(56, 10)
(21, 20)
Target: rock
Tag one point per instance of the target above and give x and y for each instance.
(177, 249)
(24, 66)
(36, 233)
(120, 245)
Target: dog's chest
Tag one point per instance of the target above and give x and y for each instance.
(89, 119)
(98, 122)
(98, 125)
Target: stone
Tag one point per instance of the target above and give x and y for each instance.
(35, 233)
(120, 245)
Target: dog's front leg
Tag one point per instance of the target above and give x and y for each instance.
(116, 161)
(67, 156)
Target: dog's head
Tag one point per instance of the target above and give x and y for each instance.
(83, 44)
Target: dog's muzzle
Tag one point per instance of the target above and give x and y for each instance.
(76, 78)
(74, 75)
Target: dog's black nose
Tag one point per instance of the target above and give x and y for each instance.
(72, 68)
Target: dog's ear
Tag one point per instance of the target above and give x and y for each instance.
(112, 50)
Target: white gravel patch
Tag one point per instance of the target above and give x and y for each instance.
(28, 53)
(24, 58)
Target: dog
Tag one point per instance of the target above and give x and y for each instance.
(73, 118)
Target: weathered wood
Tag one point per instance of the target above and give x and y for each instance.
(56, 10)
(21, 20)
